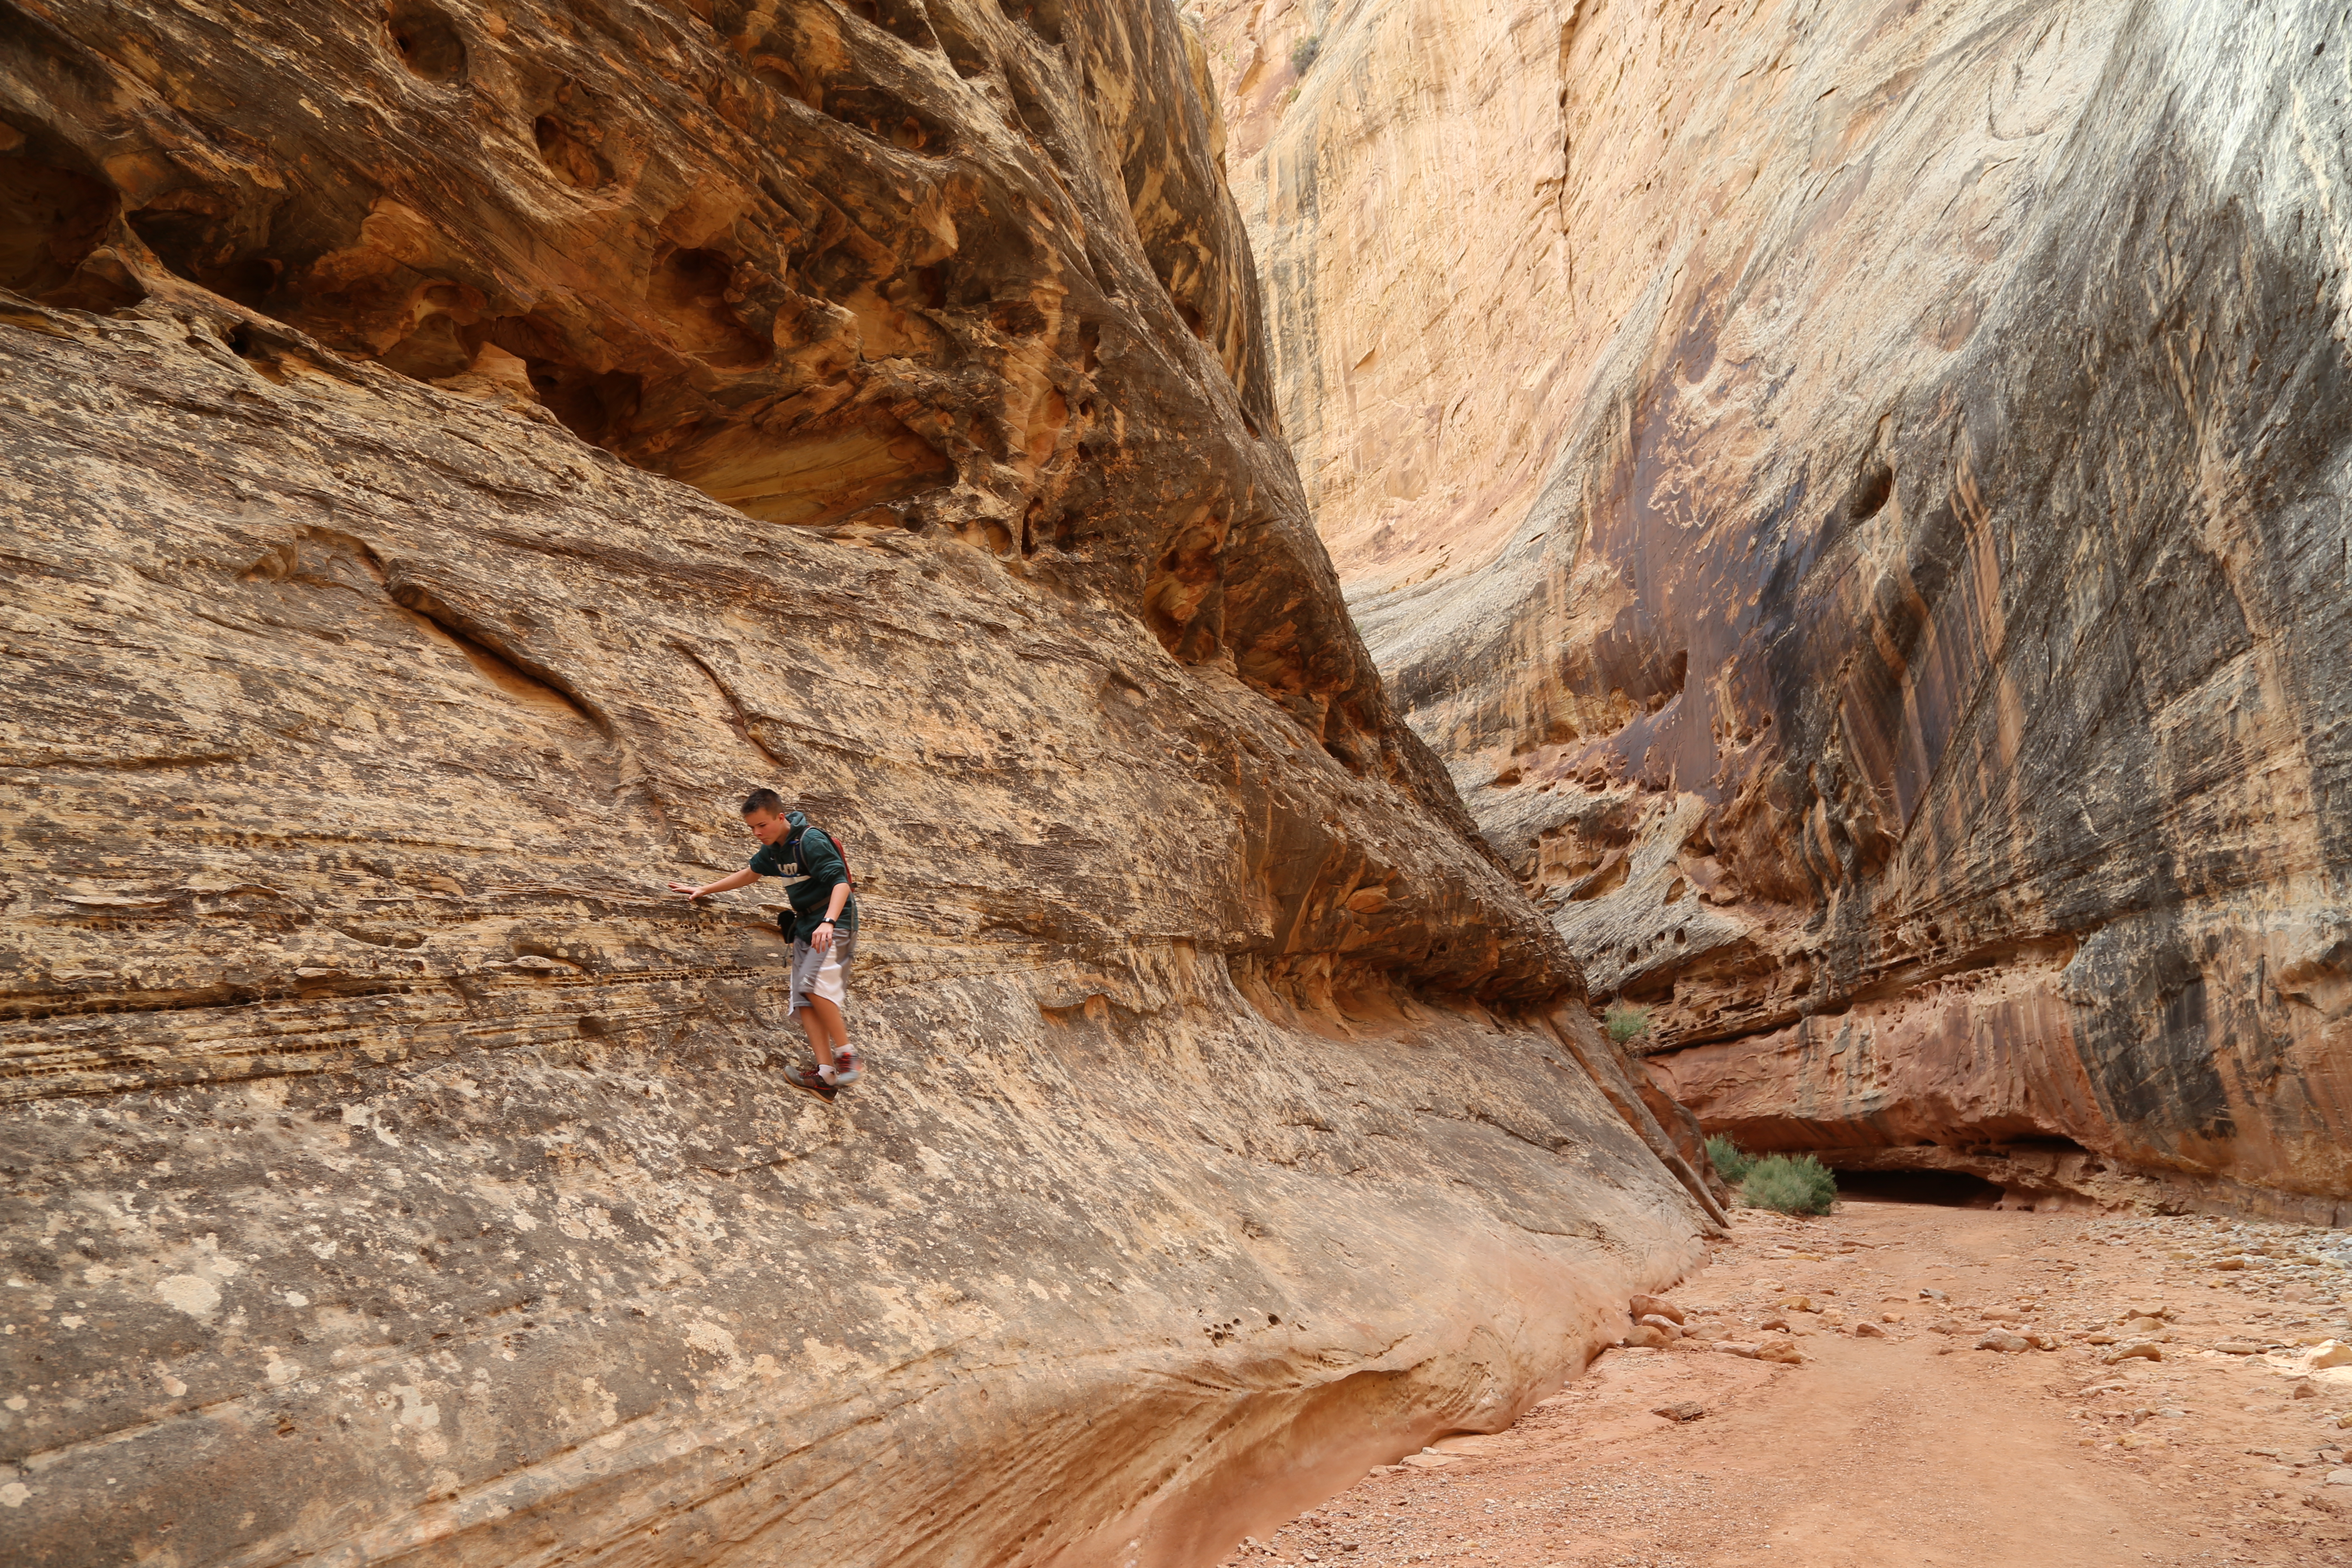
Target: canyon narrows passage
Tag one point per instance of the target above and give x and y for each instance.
(454, 450)
(1844, 507)
(1857, 493)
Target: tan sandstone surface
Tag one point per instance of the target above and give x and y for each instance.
(392, 1174)
(1856, 493)
(1896, 1440)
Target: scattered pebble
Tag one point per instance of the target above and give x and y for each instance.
(2150, 1356)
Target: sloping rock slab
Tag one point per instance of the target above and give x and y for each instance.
(342, 1225)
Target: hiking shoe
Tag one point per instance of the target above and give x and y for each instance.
(806, 1077)
(846, 1068)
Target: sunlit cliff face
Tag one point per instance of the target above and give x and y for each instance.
(1851, 494)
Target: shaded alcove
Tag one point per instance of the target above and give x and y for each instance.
(1945, 1189)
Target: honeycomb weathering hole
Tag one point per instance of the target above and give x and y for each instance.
(195, 234)
(694, 292)
(596, 406)
(426, 41)
(569, 156)
(903, 18)
(1042, 17)
(886, 117)
(50, 218)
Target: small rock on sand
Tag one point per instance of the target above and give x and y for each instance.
(1867, 1330)
(2003, 1341)
(1681, 1410)
(2331, 1353)
(1658, 1306)
(2141, 1350)
(1781, 1352)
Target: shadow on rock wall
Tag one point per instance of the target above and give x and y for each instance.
(1921, 677)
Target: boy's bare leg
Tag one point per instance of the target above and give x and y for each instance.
(827, 1030)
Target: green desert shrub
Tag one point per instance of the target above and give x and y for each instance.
(1730, 1162)
(1303, 53)
(1626, 1023)
(1799, 1185)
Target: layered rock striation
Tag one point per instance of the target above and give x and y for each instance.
(1856, 493)
(454, 451)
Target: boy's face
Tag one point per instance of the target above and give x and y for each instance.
(767, 826)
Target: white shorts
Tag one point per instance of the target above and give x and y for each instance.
(825, 974)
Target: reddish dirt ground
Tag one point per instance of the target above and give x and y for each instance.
(1917, 1448)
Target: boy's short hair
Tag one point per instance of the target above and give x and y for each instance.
(765, 800)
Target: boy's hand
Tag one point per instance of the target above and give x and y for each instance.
(689, 892)
(822, 938)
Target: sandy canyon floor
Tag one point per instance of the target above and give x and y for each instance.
(1903, 1444)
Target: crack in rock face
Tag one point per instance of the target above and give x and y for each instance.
(1868, 538)
(458, 450)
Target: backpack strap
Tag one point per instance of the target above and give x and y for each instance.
(846, 874)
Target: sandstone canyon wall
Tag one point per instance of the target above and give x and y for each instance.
(453, 451)
(1857, 493)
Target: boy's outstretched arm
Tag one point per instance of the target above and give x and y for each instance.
(742, 879)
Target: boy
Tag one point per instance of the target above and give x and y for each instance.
(823, 924)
